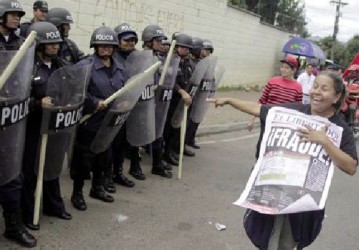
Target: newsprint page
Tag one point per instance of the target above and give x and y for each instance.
(290, 176)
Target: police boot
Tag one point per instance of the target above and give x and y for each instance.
(120, 179)
(170, 158)
(16, 231)
(136, 172)
(77, 198)
(108, 184)
(100, 194)
(194, 145)
(160, 169)
(188, 152)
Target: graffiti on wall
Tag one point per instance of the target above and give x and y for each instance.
(113, 12)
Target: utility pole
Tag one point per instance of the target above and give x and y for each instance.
(339, 3)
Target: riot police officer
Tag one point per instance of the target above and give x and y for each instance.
(62, 19)
(10, 192)
(127, 38)
(207, 49)
(152, 37)
(182, 91)
(46, 62)
(107, 76)
(40, 9)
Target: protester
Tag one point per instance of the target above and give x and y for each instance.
(10, 190)
(306, 79)
(40, 9)
(281, 89)
(300, 229)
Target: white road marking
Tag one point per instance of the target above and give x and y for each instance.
(230, 139)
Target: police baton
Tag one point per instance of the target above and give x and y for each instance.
(182, 141)
(167, 63)
(17, 58)
(131, 83)
(40, 177)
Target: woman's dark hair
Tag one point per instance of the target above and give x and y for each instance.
(338, 86)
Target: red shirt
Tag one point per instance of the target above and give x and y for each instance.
(279, 90)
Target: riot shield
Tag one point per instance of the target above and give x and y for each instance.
(195, 80)
(14, 108)
(199, 103)
(66, 87)
(140, 124)
(120, 109)
(218, 75)
(164, 95)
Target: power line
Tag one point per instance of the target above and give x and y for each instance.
(336, 24)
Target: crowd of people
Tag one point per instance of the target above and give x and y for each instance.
(114, 62)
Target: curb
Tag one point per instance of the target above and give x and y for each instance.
(223, 128)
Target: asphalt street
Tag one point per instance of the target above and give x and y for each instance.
(161, 213)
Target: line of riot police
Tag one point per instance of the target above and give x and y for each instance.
(63, 84)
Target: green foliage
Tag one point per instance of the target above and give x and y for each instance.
(287, 14)
(344, 53)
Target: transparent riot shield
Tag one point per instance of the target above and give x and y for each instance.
(14, 108)
(195, 80)
(218, 75)
(164, 95)
(140, 124)
(66, 87)
(119, 112)
(199, 102)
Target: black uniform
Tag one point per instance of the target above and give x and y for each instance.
(10, 193)
(53, 204)
(103, 83)
(172, 135)
(69, 51)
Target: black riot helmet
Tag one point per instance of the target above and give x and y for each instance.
(197, 44)
(7, 6)
(46, 33)
(125, 31)
(103, 36)
(207, 44)
(151, 32)
(58, 16)
(184, 40)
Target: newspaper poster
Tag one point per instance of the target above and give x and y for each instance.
(290, 176)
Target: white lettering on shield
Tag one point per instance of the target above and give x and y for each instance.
(193, 91)
(67, 119)
(14, 113)
(148, 93)
(167, 95)
(206, 85)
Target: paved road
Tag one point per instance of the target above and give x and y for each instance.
(180, 214)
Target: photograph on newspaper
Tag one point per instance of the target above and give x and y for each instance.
(290, 176)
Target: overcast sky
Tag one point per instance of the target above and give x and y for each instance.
(320, 16)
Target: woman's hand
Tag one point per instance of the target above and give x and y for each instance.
(217, 101)
(317, 136)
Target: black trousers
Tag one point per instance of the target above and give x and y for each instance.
(52, 200)
(172, 135)
(120, 147)
(10, 194)
(84, 161)
(191, 132)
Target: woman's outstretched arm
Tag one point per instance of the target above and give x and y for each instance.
(251, 108)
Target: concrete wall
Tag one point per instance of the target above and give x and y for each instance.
(247, 49)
